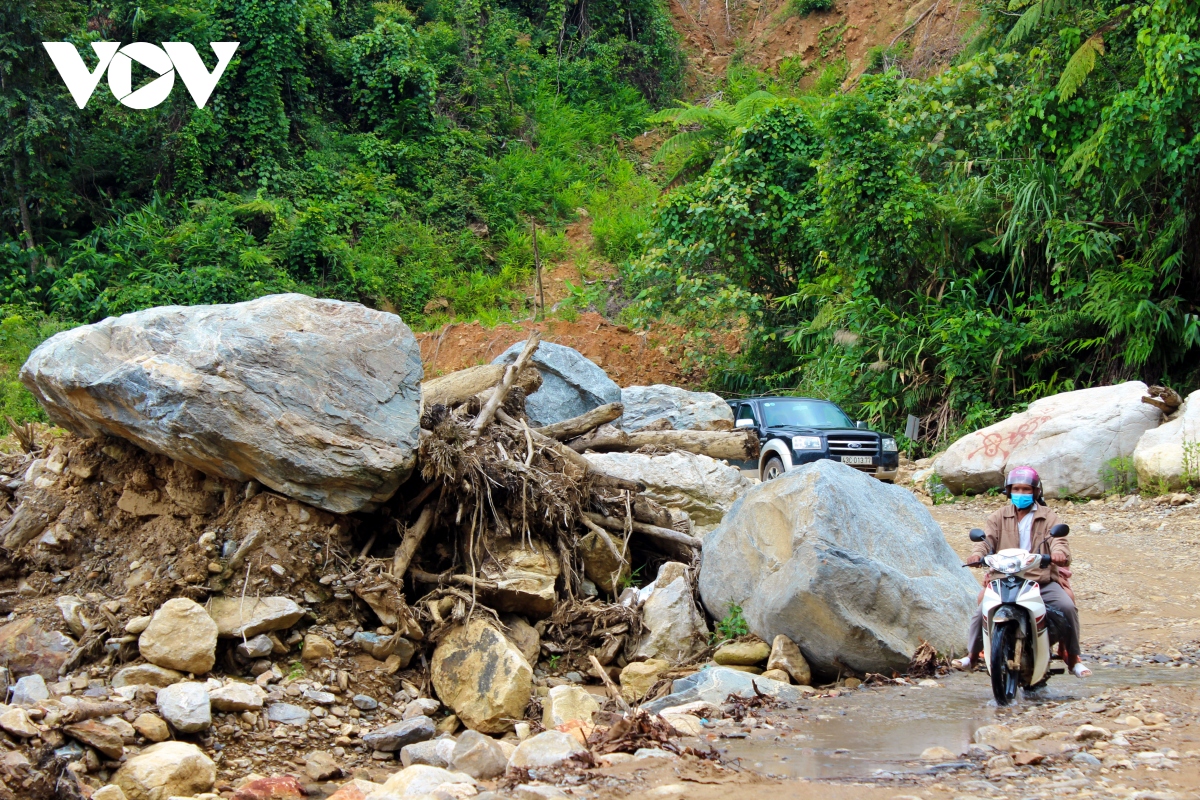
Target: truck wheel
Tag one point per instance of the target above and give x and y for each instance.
(773, 469)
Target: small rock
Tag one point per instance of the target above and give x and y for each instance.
(546, 750)
(181, 636)
(109, 792)
(98, 735)
(287, 714)
(138, 624)
(1029, 733)
(72, 609)
(533, 791)
(26, 648)
(639, 677)
(166, 769)
(236, 696)
(152, 727)
(1097, 527)
(742, 654)
(319, 697)
(564, 704)
(364, 702)
(1028, 759)
(391, 738)
(421, 707)
(322, 766)
(1001, 763)
(279, 787)
(687, 724)
(186, 707)
(479, 756)
(431, 753)
(522, 730)
(420, 780)
(317, 648)
(239, 617)
(30, 690)
(937, 754)
(17, 722)
(997, 736)
(356, 789)
(523, 635)
(260, 646)
(146, 675)
(1088, 732)
(1085, 759)
(777, 675)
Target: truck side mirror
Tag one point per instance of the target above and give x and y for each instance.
(861, 424)
(744, 423)
(1060, 530)
(977, 535)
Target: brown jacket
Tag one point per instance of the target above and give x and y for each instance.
(1002, 534)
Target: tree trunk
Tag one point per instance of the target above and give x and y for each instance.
(664, 535)
(577, 426)
(733, 445)
(452, 389)
(26, 221)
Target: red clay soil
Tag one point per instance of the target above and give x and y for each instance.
(631, 358)
(766, 32)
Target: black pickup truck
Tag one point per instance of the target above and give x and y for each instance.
(797, 430)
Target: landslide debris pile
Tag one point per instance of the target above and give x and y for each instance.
(189, 604)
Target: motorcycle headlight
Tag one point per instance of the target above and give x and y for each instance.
(889, 445)
(806, 442)
(1005, 564)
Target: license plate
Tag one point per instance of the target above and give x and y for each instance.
(864, 460)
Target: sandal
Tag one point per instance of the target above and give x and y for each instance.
(1080, 671)
(963, 663)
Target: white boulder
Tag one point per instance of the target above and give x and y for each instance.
(704, 487)
(1071, 439)
(1169, 456)
(697, 411)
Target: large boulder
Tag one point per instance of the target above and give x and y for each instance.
(27, 648)
(675, 628)
(245, 618)
(571, 384)
(524, 574)
(703, 487)
(852, 570)
(1071, 439)
(1168, 457)
(482, 677)
(684, 410)
(317, 399)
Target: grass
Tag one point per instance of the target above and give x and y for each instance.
(731, 626)
(21, 331)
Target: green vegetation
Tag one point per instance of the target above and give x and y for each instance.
(1022, 223)
(731, 626)
(1191, 465)
(1119, 476)
(808, 6)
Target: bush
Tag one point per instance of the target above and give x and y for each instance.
(809, 6)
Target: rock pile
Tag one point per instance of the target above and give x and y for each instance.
(190, 603)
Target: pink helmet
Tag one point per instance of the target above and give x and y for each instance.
(1026, 475)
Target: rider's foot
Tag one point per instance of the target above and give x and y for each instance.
(963, 663)
(1080, 671)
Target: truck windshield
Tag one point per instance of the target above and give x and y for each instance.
(803, 414)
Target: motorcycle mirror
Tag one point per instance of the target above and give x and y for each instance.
(977, 534)
(1060, 530)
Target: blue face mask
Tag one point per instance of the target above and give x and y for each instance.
(1022, 501)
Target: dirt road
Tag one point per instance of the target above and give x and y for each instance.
(1138, 604)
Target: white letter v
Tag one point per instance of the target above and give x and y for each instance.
(80, 83)
(199, 82)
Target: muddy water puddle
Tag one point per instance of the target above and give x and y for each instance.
(885, 729)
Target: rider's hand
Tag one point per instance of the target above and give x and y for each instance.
(974, 559)
(1059, 559)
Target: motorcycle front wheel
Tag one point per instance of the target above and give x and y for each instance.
(1004, 680)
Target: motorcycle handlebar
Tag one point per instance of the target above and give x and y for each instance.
(1044, 562)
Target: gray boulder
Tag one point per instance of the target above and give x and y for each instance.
(696, 411)
(317, 399)
(715, 684)
(186, 706)
(852, 570)
(571, 384)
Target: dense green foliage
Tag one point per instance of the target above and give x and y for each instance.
(378, 152)
(1023, 222)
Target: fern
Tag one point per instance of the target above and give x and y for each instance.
(1079, 67)
(1030, 19)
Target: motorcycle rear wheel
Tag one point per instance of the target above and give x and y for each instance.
(1004, 680)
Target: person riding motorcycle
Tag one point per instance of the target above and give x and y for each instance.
(1025, 523)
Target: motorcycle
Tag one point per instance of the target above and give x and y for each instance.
(1020, 632)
